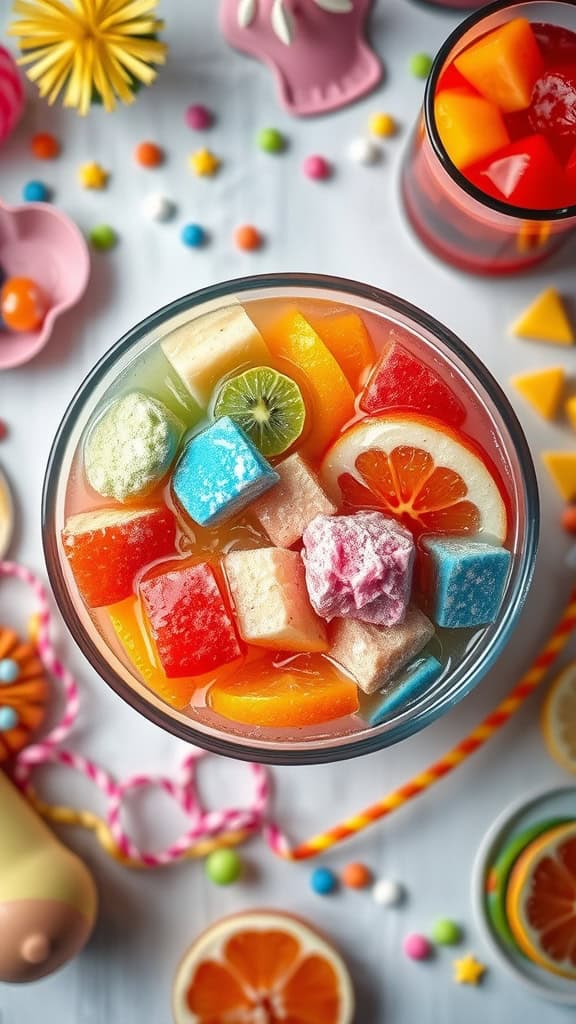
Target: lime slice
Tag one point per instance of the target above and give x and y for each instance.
(267, 405)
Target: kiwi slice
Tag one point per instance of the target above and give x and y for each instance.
(267, 405)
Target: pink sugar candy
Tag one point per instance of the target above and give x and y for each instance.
(416, 947)
(198, 117)
(317, 168)
(359, 567)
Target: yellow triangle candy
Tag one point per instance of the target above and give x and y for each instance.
(545, 320)
(562, 469)
(542, 389)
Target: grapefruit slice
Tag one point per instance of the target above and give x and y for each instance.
(559, 718)
(418, 470)
(541, 901)
(262, 967)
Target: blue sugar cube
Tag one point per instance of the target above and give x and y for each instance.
(220, 472)
(469, 579)
(406, 687)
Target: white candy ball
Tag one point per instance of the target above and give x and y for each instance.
(158, 207)
(387, 893)
(364, 151)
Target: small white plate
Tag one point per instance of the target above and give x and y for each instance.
(6, 516)
(547, 804)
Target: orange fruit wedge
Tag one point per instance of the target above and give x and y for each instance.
(262, 967)
(541, 901)
(559, 718)
(291, 697)
(347, 338)
(418, 471)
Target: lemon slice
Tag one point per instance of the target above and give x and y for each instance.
(558, 719)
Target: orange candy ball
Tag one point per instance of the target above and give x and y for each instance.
(356, 876)
(23, 304)
(247, 238)
(148, 154)
(45, 146)
(569, 519)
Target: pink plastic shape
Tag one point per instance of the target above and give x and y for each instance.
(40, 242)
(11, 94)
(315, 48)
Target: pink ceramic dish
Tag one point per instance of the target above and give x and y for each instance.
(40, 242)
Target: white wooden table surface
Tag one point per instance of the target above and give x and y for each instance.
(351, 226)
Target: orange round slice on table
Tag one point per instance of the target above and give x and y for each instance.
(24, 698)
(290, 697)
(541, 901)
(419, 471)
(262, 967)
(559, 718)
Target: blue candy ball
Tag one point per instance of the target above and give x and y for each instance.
(323, 881)
(9, 670)
(193, 235)
(35, 192)
(8, 719)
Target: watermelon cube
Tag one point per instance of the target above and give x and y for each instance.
(189, 620)
(504, 65)
(400, 381)
(470, 126)
(524, 173)
(107, 547)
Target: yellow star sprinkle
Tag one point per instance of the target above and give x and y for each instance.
(203, 163)
(468, 970)
(92, 175)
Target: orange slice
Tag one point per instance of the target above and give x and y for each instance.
(541, 901)
(346, 336)
(308, 692)
(26, 697)
(559, 718)
(419, 471)
(262, 966)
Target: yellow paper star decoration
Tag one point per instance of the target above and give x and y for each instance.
(92, 175)
(88, 50)
(203, 163)
(468, 970)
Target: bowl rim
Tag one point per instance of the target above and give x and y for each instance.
(290, 752)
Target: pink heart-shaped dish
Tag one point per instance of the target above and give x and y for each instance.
(42, 243)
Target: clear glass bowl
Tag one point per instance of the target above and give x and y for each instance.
(344, 738)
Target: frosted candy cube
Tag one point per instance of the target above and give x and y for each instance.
(403, 689)
(286, 510)
(373, 655)
(468, 579)
(359, 567)
(220, 472)
(205, 350)
(269, 595)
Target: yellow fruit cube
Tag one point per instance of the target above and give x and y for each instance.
(470, 126)
(543, 389)
(504, 65)
(545, 319)
(562, 469)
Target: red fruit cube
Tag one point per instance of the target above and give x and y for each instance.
(400, 381)
(452, 79)
(189, 620)
(107, 547)
(523, 173)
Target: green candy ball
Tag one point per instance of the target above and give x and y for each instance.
(446, 932)
(223, 867)
(103, 237)
(271, 140)
(420, 64)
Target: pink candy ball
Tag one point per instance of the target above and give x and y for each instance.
(11, 94)
(198, 117)
(416, 947)
(316, 167)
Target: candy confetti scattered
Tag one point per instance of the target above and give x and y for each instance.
(198, 117)
(3, 428)
(562, 469)
(417, 947)
(270, 140)
(545, 319)
(317, 168)
(103, 237)
(468, 970)
(387, 893)
(364, 151)
(569, 519)
(223, 867)
(193, 235)
(420, 65)
(35, 192)
(356, 876)
(247, 238)
(382, 125)
(45, 146)
(203, 163)
(156, 206)
(92, 175)
(446, 932)
(323, 881)
(543, 389)
(148, 154)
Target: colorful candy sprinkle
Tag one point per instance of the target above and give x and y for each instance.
(198, 117)
(270, 140)
(45, 146)
(247, 238)
(223, 867)
(193, 235)
(387, 893)
(420, 65)
(569, 519)
(356, 876)
(382, 125)
(446, 932)
(148, 154)
(9, 670)
(158, 207)
(316, 168)
(323, 881)
(8, 719)
(3, 426)
(204, 163)
(416, 947)
(92, 175)
(103, 237)
(35, 192)
(364, 151)
(468, 970)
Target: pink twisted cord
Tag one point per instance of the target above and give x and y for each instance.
(203, 824)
